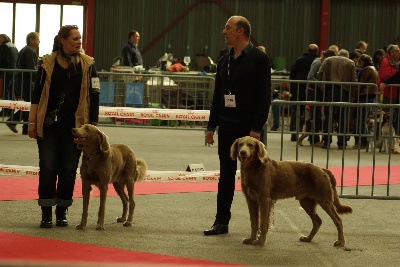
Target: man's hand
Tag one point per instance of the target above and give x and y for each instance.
(210, 137)
(255, 135)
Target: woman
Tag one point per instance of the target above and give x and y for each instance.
(377, 58)
(365, 94)
(66, 95)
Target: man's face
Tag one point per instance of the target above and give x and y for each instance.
(364, 48)
(35, 42)
(230, 33)
(135, 38)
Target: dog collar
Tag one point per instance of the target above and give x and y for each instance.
(91, 157)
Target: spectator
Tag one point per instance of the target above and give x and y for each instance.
(130, 53)
(355, 56)
(365, 94)
(299, 71)
(336, 69)
(387, 69)
(314, 94)
(27, 59)
(377, 58)
(240, 105)
(66, 95)
(8, 60)
(335, 48)
(361, 47)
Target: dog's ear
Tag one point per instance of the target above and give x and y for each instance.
(104, 145)
(261, 151)
(234, 150)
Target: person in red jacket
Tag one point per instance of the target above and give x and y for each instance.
(388, 69)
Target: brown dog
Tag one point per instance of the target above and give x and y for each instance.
(265, 180)
(103, 164)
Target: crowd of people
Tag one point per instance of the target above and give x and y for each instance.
(338, 68)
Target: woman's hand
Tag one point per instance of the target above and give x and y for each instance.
(32, 130)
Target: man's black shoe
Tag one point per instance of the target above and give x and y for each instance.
(217, 229)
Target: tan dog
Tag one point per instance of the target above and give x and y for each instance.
(103, 164)
(265, 180)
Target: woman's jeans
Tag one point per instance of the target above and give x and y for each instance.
(58, 158)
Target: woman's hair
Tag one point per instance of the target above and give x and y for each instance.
(328, 53)
(365, 60)
(64, 33)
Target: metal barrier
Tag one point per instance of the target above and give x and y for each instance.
(156, 100)
(190, 91)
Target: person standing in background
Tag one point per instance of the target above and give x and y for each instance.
(66, 95)
(365, 94)
(299, 71)
(361, 48)
(387, 69)
(377, 58)
(240, 105)
(27, 59)
(130, 53)
(8, 60)
(337, 69)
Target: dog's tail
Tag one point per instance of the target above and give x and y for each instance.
(141, 170)
(340, 208)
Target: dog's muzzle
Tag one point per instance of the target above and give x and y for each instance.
(243, 157)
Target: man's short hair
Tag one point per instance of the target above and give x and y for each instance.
(133, 32)
(31, 36)
(242, 22)
(343, 53)
(361, 44)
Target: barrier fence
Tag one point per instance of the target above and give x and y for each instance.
(329, 110)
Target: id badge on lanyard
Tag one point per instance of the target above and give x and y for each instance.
(230, 101)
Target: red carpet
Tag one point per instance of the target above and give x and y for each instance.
(25, 188)
(21, 248)
(17, 249)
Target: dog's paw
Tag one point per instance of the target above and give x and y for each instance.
(258, 242)
(80, 227)
(339, 243)
(121, 219)
(100, 227)
(304, 238)
(248, 241)
(127, 223)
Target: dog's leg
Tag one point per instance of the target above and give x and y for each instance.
(119, 188)
(103, 197)
(331, 211)
(130, 188)
(86, 188)
(254, 220)
(264, 216)
(310, 205)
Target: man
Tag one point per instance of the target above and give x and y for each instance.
(240, 106)
(27, 59)
(130, 53)
(336, 69)
(8, 60)
(299, 71)
(361, 47)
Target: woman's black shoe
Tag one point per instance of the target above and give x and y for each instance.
(61, 216)
(47, 220)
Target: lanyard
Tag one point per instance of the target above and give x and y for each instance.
(242, 54)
